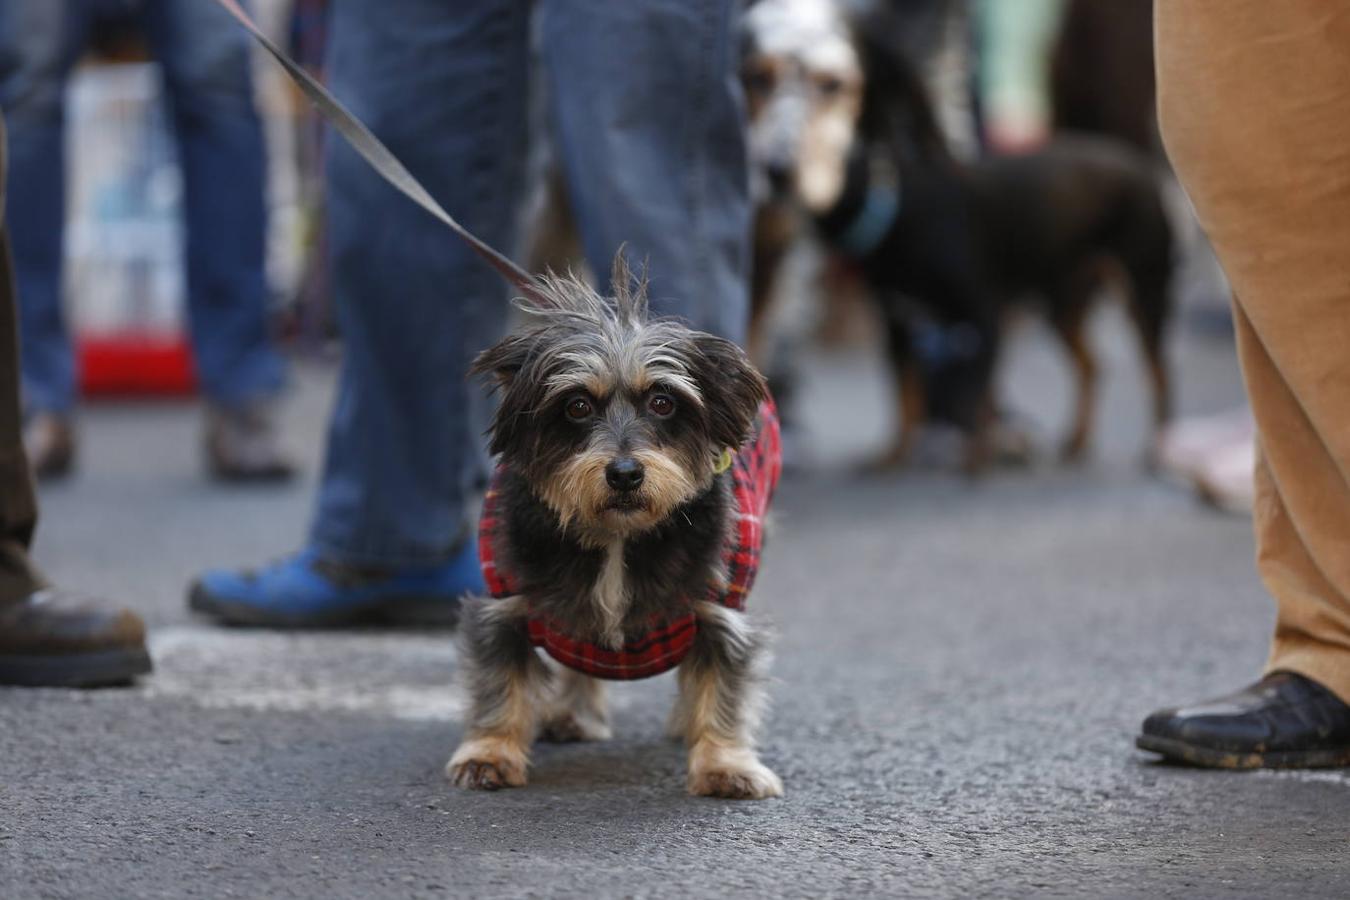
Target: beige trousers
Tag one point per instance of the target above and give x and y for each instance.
(1254, 102)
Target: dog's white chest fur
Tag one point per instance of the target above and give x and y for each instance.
(610, 595)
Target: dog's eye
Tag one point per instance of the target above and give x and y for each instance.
(759, 78)
(829, 85)
(579, 409)
(661, 405)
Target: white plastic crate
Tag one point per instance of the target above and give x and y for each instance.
(124, 234)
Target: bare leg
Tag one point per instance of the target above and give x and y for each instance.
(721, 694)
(506, 682)
(578, 711)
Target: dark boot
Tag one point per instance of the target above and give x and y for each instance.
(50, 442)
(51, 639)
(1284, 721)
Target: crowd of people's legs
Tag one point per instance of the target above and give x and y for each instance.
(205, 64)
(646, 113)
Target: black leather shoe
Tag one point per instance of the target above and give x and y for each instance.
(52, 640)
(1284, 721)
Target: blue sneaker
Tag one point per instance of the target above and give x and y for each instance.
(305, 591)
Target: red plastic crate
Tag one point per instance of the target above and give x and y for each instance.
(136, 365)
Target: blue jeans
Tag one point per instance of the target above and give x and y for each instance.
(648, 120)
(205, 61)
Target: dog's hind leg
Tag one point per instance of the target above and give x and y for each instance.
(1150, 306)
(721, 696)
(1070, 322)
(578, 711)
(506, 682)
(911, 406)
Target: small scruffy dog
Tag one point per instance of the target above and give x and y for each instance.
(620, 535)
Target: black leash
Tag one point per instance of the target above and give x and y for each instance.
(384, 162)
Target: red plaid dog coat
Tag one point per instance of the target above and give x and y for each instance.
(754, 472)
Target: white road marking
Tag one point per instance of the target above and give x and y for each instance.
(1324, 776)
(392, 675)
(396, 675)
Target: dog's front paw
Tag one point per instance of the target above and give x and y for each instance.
(894, 458)
(732, 774)
(487, 764)
(1074, 449)
(755, 781)
(568, 727)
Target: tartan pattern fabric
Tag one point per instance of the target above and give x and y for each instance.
(754, 472)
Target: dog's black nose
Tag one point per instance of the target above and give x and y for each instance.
(779, 175)
(624, 474)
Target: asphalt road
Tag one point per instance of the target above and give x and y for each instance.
(960, 671)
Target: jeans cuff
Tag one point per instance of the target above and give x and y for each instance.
(372, 555)
(264, 385)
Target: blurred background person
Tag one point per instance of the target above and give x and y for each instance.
(1013, 43)
(205, 63)
(48, 637)
(647, 116)
(1101, 71)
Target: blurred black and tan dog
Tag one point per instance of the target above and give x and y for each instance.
(842, 130)
(618, 536)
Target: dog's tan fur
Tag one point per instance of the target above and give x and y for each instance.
(579, 493)
(718, 725)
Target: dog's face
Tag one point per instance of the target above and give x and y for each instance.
(804, 81)
(615, 420)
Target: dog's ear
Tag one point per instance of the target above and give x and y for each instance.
(732, 389)
(504, 359)
(897, 109)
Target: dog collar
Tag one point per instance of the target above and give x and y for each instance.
(724, 461)
(869, 227)
(879, 210)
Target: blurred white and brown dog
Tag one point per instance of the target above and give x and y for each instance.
(803, 81)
